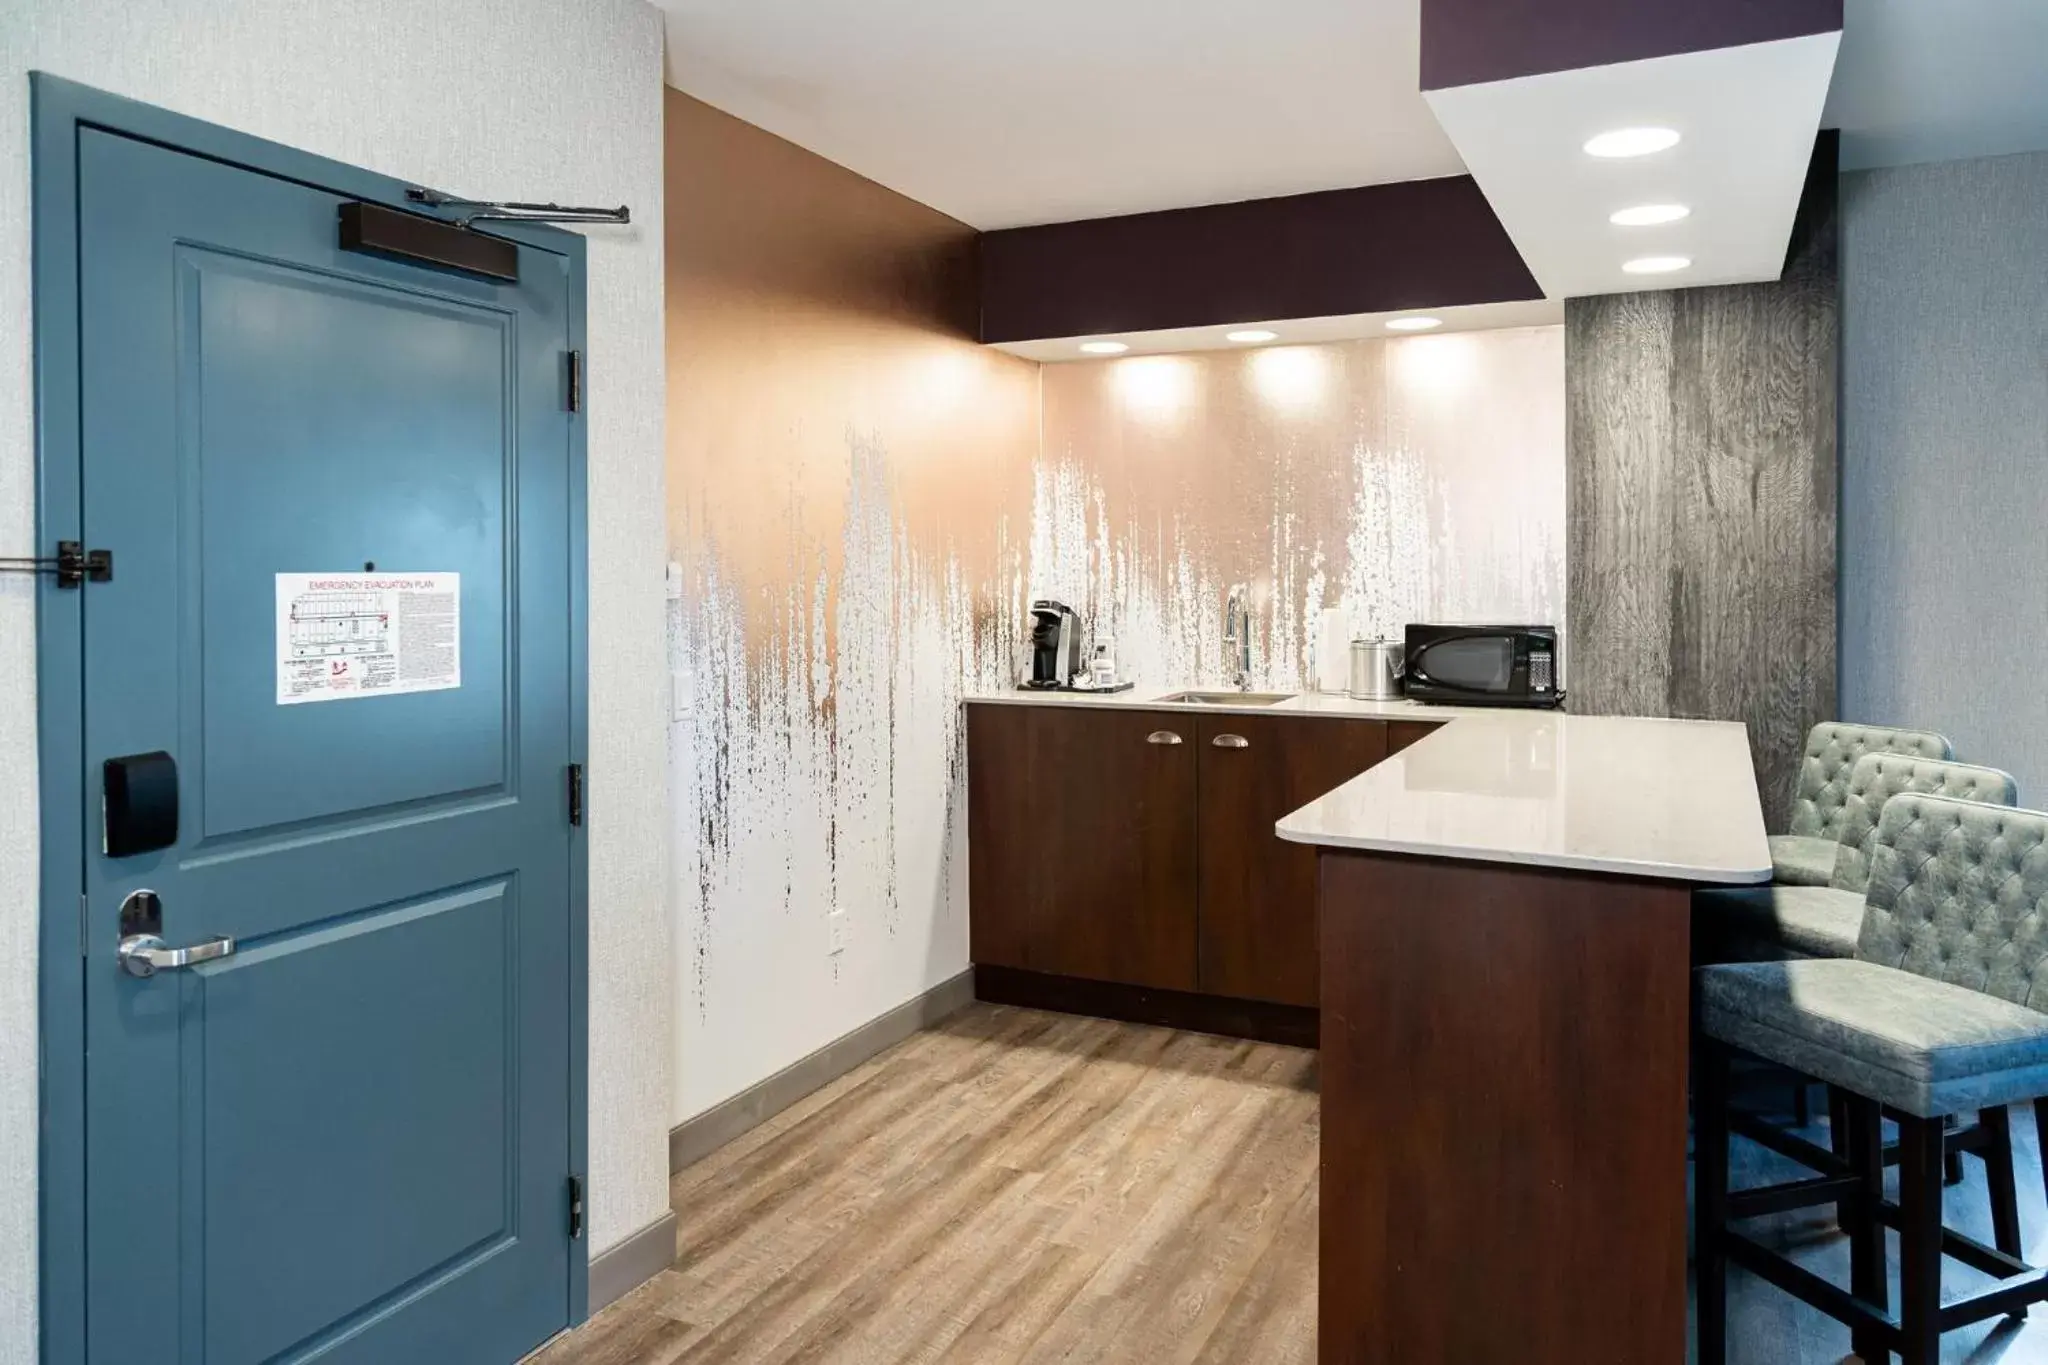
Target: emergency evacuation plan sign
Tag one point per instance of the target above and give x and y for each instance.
(343, 635)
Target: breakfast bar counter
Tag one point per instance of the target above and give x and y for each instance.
(1616, 794)
(1504, 923)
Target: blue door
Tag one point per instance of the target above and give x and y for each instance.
(336, 489)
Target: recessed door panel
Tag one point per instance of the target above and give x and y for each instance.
(423, 1081)
(339, 425)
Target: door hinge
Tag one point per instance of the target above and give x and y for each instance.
(73, 565)
(575, 793)
(575, 381)
(575, 1207)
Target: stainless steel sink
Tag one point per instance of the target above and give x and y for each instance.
(1227, 698)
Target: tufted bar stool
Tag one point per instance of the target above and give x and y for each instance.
(1750, 922)
(1764, 923)
(1805, 854)
(1938, 1013)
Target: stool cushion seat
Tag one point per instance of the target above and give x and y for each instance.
(1922, 1046)
(1802, 859)
(1813, 921)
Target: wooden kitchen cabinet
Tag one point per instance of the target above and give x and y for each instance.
(1081, 842)
(1257, 909)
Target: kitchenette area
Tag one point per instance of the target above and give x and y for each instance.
(1208, 729)
(1478, 911)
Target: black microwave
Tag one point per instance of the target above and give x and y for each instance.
(1482, 665)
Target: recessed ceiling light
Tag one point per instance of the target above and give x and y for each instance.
(1648, 215)
(1632, 142)
(1250, 334)
(1656, 265)
(1104, 347)
(1413, 324)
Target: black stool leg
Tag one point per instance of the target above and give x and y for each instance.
(2041, 1137)
(1863, 1135)
(1952, 1164)
(1710, 1201)
(1841, 1144)
(1802, 1103)
(1920, 1185)
(1998, 1176)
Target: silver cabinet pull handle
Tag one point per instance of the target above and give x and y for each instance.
(145, 954)
(1162, 737)
(1231, 742)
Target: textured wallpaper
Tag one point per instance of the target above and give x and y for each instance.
(863, 503)
(1944, 446)
(535, 101)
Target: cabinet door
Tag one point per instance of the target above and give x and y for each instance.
(1258, 906)
(1081, 842)
(1402, 733)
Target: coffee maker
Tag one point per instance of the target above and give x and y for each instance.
(1056, 645)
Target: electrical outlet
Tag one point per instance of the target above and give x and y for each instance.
(682, 692)
(835, 933)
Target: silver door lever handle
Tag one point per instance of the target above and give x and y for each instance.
(146, 954)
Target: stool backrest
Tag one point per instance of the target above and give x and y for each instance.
(1832, 748)
(1877, 777)
(1959, 892)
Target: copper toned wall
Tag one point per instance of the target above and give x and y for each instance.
(849, 475)
(863, 503)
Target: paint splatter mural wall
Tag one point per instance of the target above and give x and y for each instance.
(1419, 479)
(863, 503)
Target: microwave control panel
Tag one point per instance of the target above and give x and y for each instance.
(1540, 670)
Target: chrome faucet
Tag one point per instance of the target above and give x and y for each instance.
(1237, 635)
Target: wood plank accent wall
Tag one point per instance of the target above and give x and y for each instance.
(1701, 498)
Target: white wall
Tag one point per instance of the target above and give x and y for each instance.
(539, 99)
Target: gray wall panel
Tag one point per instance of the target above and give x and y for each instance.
(1701, 436)
(1945, 455)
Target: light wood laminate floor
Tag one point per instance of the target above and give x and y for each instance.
(1013, 1186)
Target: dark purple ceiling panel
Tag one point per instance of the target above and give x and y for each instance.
(1377, 249)
(1466, 42)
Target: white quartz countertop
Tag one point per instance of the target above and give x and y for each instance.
(1626, 795)
(1306, 704)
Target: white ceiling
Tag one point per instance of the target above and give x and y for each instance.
(1050, 110)
(1936, 80)
(1739, 167)
(1003, 114)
